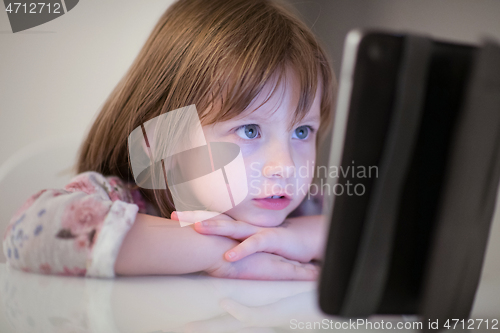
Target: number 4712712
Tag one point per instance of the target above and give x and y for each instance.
(31, 8)
(471, 324)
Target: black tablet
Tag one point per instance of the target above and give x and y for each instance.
(407, 111)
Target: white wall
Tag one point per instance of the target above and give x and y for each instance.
(55, 77)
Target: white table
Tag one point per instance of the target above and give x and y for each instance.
(187, 303)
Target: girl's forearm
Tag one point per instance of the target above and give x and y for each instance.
(157, 245)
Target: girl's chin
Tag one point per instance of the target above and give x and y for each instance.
(262, 219)
(258, 216)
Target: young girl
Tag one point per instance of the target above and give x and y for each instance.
(259, 79)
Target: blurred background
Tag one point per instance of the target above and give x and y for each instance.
(55, 77)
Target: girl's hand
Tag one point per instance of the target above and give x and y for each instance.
(252, 266)
(294, 240)
(264, 266)
(299, 238)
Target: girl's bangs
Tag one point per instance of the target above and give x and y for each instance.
(231, 96)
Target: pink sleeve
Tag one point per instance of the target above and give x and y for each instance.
(77, 230)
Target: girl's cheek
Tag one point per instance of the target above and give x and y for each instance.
(305, 145)
(305, 152)
(249, 150)
(252, 159)
(305, 166)
(254, 176)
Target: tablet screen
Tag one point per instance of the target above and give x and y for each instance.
(373, 80)
(449, 70)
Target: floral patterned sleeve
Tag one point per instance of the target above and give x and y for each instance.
(77, 230)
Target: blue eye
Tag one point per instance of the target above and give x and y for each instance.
(248, 131)
(301, 132)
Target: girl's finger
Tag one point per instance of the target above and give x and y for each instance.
(260, 242)
(272, 267)
(294, 270)
(234, 229)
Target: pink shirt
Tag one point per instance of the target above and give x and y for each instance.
(77, 230)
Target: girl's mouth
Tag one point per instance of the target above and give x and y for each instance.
(273, 202)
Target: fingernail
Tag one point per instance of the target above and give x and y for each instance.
(231, 255)
(174, 216)
(205, 223)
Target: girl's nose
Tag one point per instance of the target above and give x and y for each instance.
(279, 162)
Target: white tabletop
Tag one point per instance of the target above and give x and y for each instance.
(187, 303)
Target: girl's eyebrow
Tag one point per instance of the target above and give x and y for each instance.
(312, 118)
(258, 118)
(252, 117)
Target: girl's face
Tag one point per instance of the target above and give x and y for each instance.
(279, 162)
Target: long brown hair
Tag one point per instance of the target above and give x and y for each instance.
(200, 52)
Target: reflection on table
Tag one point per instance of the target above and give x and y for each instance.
(187, 303)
